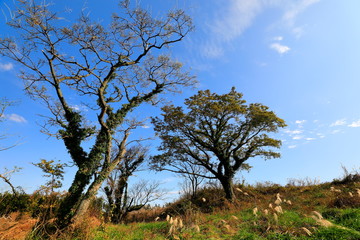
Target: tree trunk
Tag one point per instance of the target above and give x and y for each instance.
(227, 185)
(71, 201)
(85, 203)
(120, 200)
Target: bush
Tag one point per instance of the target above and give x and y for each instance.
(10, 202)
(344, 200)
(348, 178)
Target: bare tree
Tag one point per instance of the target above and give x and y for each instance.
(109, 69)
(116, 188)
(136, 198)
(6, 178)
(193, 178)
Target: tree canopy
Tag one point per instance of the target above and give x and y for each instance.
(217, 132)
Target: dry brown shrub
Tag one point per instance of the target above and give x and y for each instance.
(345, 201)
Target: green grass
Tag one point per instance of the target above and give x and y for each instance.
(334, 233)
(349, 218)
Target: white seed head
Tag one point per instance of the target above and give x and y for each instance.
(266, 212)
(307, 231)
(255, 210)
(227, 226)
(172, 229)
(180, 223)
(350, 194)
(171, 221)
(167, 218)
(238, 189)
(317, 215)
(277, 202)
(157, 218)
(203, 199)
(270, 206)
(278, 209)
(196, 228)
(276, 218)
(175, 222)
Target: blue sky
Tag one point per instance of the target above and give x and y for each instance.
(299, 57)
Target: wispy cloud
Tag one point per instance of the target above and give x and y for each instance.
(234, 17)
(355, 124)
(15, 118)
(297, 137)
(237, 16)
(300, 122)
(335, 131)
(320, 135)
(278, 38)
(340, 122)
(293, 10)
(296, 8)
(229, 23)
(279, 48)
(293, 132)
(292, 146)
(6, 66)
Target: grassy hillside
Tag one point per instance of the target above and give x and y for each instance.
(299, 210)
(268, 211)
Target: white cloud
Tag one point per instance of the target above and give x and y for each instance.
(212, 50)
(231, 19)
(355, 124)
(297, 137)
(300, 122)
(278, 38)
(292, 146)
(320, 135)
(15, 118)
(6, 66)
(291, 13)
(280, 48)
(297, 8)
(298, 31)
(236, 17)
(309, 139)
(79, 108)
(340, 122)
(335, 131)
(293, 132)
(228, 24)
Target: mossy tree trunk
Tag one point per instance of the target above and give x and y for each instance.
(109, 70)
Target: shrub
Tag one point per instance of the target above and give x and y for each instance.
(10, 202)
(344, 200)
(348, 177)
